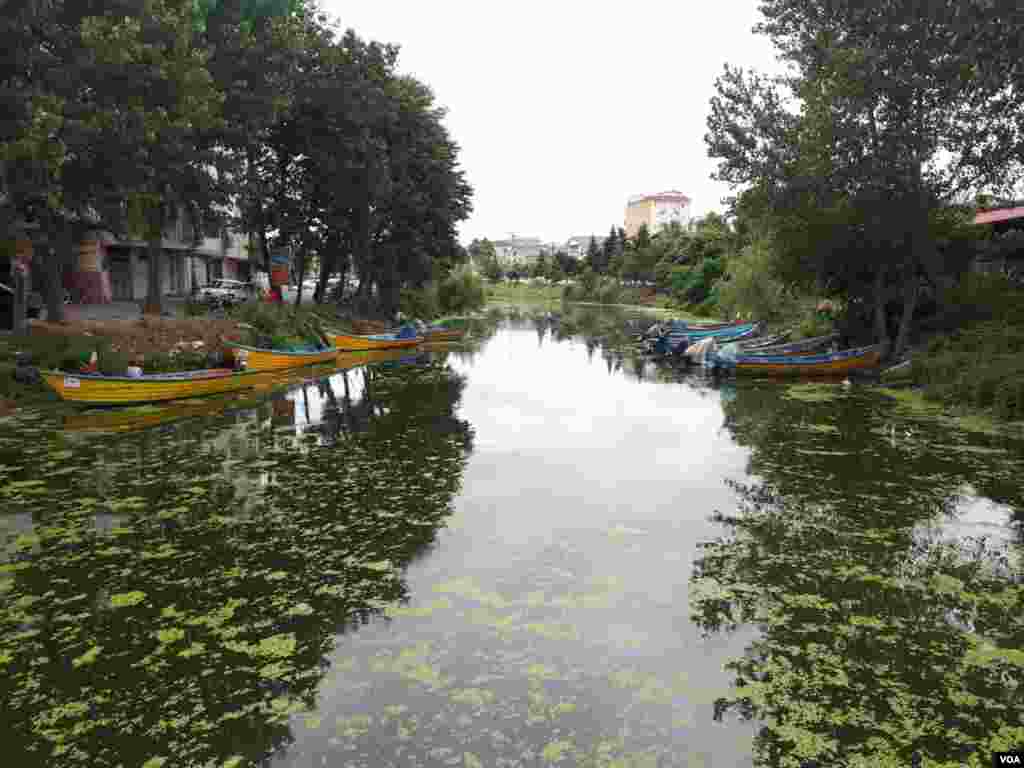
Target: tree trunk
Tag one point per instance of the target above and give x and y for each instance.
(911, 289)
(154, 294)
(881, 328)
(55, 258)
(302, 275)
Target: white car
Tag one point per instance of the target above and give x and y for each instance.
(227, 291)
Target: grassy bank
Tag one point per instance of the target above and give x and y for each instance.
(972, 354)
(525, 293)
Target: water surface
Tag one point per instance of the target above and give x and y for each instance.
(538, 550)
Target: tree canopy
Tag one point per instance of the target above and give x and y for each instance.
(886, 115)
(251, 113)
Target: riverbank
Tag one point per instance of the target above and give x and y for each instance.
(523, 293)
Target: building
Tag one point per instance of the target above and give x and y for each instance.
(577, 246)
(518, 251)
(1008, 257)
(656, 211)
(109, 268)
(183, 266)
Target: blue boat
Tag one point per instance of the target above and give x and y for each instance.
(674, 341)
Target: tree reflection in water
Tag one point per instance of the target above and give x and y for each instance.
(191, 627)
(876, 643)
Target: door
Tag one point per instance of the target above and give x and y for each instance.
(119, 265)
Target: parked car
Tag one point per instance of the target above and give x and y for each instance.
(225, 291)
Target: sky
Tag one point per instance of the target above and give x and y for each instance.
(564, 109)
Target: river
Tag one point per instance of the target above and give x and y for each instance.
(534, 550)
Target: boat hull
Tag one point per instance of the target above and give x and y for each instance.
(350, 342)
(96, 389)
(832, 364)
(257, 359)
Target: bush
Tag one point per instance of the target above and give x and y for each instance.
(462, 291)
(980, 366)
(420, 302)
(750, 289)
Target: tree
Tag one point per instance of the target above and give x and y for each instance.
(566, 263)
(877, 128)
(609, 249)
(593, 257)
(153, 62)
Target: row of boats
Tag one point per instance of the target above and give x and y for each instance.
(253, 368)
(739, 347)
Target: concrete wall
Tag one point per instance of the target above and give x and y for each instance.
(637, 214)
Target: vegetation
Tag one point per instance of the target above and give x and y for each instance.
(981, 363)
(460, 291)
(315, 138)
(855, 163)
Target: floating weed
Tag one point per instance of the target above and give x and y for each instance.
(469, 760)
(554, 751)
(301, 609)
(88, 657)
(127, 599)
(396, 611)
(354, 727)
(553, 631)
(813, 393)
(477, 698)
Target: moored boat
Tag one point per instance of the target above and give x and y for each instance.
(98, 389)
(262, 359)
(801, 347)
(349, 342)
(696, 352)
(676, 341)
(827, 364)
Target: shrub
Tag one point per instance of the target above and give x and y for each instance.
(751, 289)
(420, 302)
(461, 291)
(194, 308)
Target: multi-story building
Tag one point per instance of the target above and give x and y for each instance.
(656, 211)
(517, 251)
(109, 268)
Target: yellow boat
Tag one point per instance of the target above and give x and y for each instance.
(350, 342)
(257, 359)
(149, 415)
(97, 389)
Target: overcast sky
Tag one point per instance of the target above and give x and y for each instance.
(564, 109)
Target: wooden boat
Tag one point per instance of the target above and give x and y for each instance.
(347, 341)
(680, 341)
(801, 347)
(759, 342)
(704, 326)
(828, 364)
(260, 383)
(97, 389)
(697, 352)
(258, 359)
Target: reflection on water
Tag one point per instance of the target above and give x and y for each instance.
(508, 553)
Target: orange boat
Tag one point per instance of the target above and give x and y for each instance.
(829, 364)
